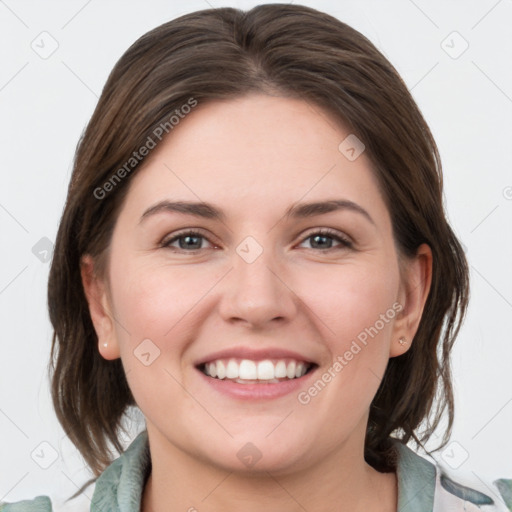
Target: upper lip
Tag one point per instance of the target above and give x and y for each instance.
(258, 354)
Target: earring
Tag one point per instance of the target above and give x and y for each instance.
(402, 341)
(105, 345)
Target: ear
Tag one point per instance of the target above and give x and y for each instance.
(414, 288)
(99, 308)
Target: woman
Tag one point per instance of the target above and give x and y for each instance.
(254, 252)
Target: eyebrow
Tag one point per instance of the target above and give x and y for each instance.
(300, 210)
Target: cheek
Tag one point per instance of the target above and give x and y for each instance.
(356, 316)
(153, 300)
(154, 308)
(352, 298)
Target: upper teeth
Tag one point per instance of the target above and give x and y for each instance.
(255, 370)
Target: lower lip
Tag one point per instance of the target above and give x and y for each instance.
(264, 391)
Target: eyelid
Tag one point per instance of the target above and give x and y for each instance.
(327, 231)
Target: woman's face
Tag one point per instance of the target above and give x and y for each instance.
(263, 286)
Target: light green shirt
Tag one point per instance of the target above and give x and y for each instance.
(422, 486)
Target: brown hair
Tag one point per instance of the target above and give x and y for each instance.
(223, 53)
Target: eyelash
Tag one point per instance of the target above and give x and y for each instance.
(326, 232)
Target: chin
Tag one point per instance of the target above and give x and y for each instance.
(257, 452)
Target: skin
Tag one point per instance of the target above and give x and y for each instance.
(253, 157)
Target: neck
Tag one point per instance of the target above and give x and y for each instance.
(341, 481)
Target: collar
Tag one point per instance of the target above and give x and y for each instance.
(119, 488)
(416, 478)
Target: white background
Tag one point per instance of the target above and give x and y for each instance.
(46, 103)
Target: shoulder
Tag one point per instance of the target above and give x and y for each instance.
(39, 504)
(456, 491)
(118, 488)
(429, 484)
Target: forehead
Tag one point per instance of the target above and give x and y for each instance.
(256, 150)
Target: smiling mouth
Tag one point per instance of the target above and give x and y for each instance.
(247, 371)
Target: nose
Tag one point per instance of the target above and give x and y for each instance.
(256, 293)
